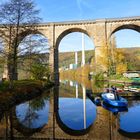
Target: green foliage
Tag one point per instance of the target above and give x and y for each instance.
(99, 84)
(40, 71)
(26, 83)
(117, 76)
(120, 77)
(132, 56)
(121, 85)
(98, 76)
(37, 104)
(4, 86)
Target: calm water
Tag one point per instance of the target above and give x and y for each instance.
(67, 112)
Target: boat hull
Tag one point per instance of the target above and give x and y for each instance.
(120, 102)
(113, 109)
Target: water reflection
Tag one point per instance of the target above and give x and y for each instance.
(25, 118)
(114, 110)
(31, 115)
(130, 121)
(74, 115)
(75, 107)
(75, 111)
(69, 114)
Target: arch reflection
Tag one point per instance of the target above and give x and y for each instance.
(130, 127)
(75, 114)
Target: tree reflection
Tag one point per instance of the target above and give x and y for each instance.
(97, 87)
(39, 103)
(30, 117)
(32, 114)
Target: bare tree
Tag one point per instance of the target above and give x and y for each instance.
(15, 16)
(34, 49)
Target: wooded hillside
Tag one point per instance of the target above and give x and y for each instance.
(132, 56)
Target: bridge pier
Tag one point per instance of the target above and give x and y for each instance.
(53, 61)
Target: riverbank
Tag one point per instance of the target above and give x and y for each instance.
(21, 91)
(124, 82)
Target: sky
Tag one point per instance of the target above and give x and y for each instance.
(75, 10)
(69, 10)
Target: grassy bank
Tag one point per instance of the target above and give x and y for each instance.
(21, 91)
(23, 84)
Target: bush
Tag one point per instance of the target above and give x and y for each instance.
(40, 72)
(98, 76)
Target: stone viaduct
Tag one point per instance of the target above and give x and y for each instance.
(99, 31)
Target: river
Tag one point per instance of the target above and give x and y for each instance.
(65, 112)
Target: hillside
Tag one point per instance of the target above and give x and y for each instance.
(131, 50)
(67, 58)
(132, 56)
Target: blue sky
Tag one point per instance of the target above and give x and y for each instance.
(68, 10)
(71, 10)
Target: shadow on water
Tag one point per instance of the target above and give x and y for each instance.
(133, 135)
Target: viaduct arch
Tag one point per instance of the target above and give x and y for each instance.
(98, 30)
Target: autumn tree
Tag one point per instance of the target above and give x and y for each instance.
(132, 56)
(118, 63)
(15, 15)
(121, 64)
(102, 60)
(111, 59)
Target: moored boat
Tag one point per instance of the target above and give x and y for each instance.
(114, 100)
(114, 110)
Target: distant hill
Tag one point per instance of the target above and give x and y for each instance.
(131, 50)
(132, 56)
(66, 58)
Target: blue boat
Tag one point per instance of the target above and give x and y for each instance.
(114, 110)
(114, 100)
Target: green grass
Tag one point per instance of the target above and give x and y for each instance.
(22, 90)
(27, 83)
(120, 77)
(24, 84)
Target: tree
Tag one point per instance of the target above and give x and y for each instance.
(33, 49)
(40, 71)
(132, 56)
(103, 58)
(121, 68)
(15, 15)
(121, 64)
(112, 59)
